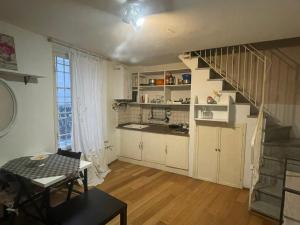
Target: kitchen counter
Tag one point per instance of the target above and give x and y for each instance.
(155, 128)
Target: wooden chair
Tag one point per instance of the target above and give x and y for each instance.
(70, 183)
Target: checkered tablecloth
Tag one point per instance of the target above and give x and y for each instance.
(54, 165)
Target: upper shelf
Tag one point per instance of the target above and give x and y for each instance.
(179, 86)
(161, 72)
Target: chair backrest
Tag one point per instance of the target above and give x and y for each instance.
(69, 153)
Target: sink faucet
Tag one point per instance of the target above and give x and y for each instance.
(140, 117)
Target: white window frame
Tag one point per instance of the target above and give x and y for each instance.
(56, 113)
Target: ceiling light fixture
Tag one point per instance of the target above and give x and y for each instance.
(133, 14)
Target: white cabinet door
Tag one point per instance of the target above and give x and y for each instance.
(153, 148)
(231, 156)
(177, 151)
(207, 154)
(130, 144)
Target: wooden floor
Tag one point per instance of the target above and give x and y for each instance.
(162, 198)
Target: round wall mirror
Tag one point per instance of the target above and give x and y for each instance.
(8, 108)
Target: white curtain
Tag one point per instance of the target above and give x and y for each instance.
(89, 82)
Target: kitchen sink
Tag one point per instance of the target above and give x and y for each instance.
(136, 126)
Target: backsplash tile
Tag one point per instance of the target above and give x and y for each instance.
(133, 113)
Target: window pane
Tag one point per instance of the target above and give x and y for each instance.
(68, 100)
(60, 93)
(66, 61)
(67, 80)
(59, 67)
(59, 60)
(62, 126)
(68, 93)
(68, 107)
(60, 79)
(67, 69)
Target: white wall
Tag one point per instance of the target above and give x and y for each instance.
(294, 54)
(34, 128)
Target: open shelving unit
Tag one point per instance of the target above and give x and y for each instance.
(167, 93)
(219, 112)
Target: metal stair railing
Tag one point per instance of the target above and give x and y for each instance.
(287, 189)
(242, 67)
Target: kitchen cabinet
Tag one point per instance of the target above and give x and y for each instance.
(207, 155)
(220, 154)
(153, 148)
(167, 150)
(177, 151)
(231, 156)
(131, 144)
(121, 80)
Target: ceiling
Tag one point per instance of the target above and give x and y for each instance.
(172, 26)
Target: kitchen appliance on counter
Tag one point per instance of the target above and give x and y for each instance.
(179, 128)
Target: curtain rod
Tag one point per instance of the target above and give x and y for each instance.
(67, 45)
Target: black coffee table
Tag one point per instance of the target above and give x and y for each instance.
(92, 208)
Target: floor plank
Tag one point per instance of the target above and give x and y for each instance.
(157, 197)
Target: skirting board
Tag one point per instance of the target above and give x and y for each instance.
(154, 165)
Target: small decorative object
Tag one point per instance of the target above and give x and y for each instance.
(186, 78)
(8, 58)
(217, 96)
(170, 80)
(39, 157)
(207, 114)
(210, 100)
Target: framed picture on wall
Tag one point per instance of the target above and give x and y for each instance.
(8, 58)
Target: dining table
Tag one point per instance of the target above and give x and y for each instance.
(46, 174)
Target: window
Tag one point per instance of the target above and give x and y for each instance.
(63, 102)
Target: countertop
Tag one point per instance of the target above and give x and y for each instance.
(155, 128)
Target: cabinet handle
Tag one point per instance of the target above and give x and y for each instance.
(142, 146)
(216, 149)
(166, 149)
(219, 150)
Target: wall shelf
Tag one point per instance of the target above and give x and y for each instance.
(12, 75)
(159, 104)
(213, 112)
(164, 92)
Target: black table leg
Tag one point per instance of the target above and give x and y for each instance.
(31, 200)
(47, 203)
(123, 216)
(16, 205)
(85, 180)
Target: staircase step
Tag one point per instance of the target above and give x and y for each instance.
(252, 116)
(215, 79)
(274, 158)
(228, 91)
(276, 132)
(284, 143)
(273, 190)
(227, 86)
(266, 209)
(202, 63)
(271, 172)
(214, 75)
